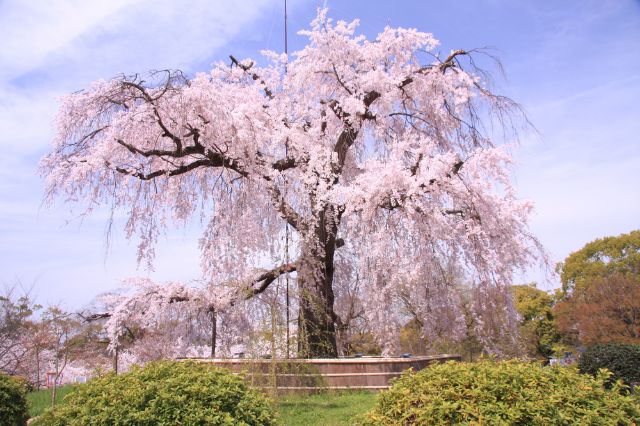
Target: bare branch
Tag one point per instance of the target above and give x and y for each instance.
(95, 317)
(287, 212)
(162, 172)
(254, 76)
(266, 278)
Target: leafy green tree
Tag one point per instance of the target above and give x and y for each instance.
(599, 259)
(537, 328)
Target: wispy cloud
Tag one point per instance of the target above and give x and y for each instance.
(31, 31)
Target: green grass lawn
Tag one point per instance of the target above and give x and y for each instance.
(39, 400)
(329, 409)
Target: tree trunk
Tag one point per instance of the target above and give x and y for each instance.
(53, 391)
(37, 369)
(55, 383)
(115, 360)
(214, 331)
(316, 325)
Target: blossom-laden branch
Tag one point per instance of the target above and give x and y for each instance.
(149, 293)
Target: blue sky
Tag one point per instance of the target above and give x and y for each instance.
(573, 65)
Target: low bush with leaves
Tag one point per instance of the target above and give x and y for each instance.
(13, 402)
(623, 360)
(502, 393)
(163, 393)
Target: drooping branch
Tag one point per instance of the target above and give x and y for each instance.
(178, 153)
(212, 159)
(256, 284)
(182, 149)
(373, 95)
(349, 134)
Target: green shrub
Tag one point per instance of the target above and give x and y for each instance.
(163, 393)
(622, 360)
(13, 402)
(502, 393)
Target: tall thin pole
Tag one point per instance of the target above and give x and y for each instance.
(286, 154)
(286, 47)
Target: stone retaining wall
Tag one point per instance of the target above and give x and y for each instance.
(308, 375)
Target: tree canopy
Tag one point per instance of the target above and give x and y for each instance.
(373, 152)
(538, 330)
(600, 298)
(601, 258)
(607, 310)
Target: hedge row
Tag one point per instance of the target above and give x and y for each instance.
(623, 360)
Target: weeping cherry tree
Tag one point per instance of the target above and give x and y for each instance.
(379, 147)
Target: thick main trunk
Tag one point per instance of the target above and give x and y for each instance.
(316, 325)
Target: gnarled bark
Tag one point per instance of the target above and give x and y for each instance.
(316, 320)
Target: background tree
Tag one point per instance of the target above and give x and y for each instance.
(606, 310)
(16, 310)
(599, 259)
(374, 146)
(600, 297)
(32, 346)
(63, 328)
(37, 342)
(538, 330)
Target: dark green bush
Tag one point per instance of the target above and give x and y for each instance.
(163, 393)
(13, 401)
(622, 360)
(502, 393)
